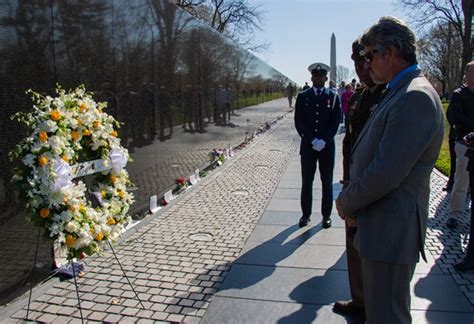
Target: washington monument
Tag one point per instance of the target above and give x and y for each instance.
(332, 74)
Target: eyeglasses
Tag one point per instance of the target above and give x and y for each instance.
(369, 56)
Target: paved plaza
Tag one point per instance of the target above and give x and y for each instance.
(229, 250)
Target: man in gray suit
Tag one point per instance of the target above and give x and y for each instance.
(388, 194)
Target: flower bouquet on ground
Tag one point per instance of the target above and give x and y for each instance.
(181, 183)
(70, 137)
(217, 155)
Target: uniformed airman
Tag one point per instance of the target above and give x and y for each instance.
(317, 117)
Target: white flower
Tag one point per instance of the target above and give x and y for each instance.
(48, 126)
(54, 230)
(57, 150)
(71, 227)
(80, 242)
(66, 216)
(61, 238)
(57, 141)
(57, 218)
(36, 147)
(29, 160)
(55, 197)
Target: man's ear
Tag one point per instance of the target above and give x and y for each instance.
(391, 51)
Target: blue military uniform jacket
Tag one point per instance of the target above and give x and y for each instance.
(317, 116)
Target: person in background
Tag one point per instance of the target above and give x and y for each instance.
(346, 96)
(361, 105)
(462, 114)
(341, 89)
(306, 86)
(290, 93)
(391, 164)
(467, 263)
(317, 116)
(354, 83)
(452, 151)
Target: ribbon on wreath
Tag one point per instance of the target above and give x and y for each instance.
(118, 160)
(63, 173)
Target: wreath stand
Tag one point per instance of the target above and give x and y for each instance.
(82, 170)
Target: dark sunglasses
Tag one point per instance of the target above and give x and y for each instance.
(368, 56)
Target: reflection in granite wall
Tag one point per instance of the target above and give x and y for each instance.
(179, 88)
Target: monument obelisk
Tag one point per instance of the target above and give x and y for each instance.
(332, 73)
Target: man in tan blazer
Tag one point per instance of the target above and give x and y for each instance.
(391, 163)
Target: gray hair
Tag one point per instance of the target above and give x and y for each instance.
(391, 31)
(469, 65)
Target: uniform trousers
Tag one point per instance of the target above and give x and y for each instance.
(461, 182)
(387, 291)
(309, 160)
(354, 268)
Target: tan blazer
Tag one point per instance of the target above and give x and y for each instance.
(391, 164)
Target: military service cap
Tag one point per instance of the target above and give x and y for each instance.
(318, 68)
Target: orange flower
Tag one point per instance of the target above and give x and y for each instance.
(114, 134)
(99, 236)
(111, 221)
(42, 160)
(86, 132)
(55, 115)
(96, 124)
(44, 212)
(113, 178)
(83, 107)
(70, 240)
(79, 122)
(75, 135)
(121, 194)
(72, 208)
(43, 136)
(65, 158)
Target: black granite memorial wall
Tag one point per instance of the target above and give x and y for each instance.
(180, 89)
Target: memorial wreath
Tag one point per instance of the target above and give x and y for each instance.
(70, 137)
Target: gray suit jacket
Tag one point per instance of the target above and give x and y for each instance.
(391, 164)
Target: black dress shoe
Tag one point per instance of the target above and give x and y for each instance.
(452, 222)
(348, 308)
(327, 222)
(464, 266)
(304, 221)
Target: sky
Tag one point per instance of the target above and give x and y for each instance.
(299, 31)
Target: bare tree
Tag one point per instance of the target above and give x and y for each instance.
(171, 26)
(457, 14)
(342, 74)
(280, 80)
(236, 19)
(439, 56)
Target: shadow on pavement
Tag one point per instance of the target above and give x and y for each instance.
(309, 311)
(253, 256)
(428, 287)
